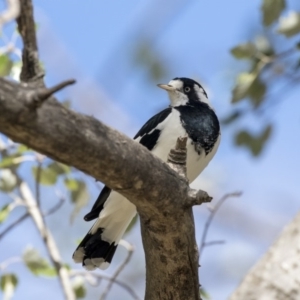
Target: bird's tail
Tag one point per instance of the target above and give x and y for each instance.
(98, 247)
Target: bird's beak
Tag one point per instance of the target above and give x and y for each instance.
(167, 87)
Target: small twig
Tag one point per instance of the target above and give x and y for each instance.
(37, 97)
(12, 12)
(56, 207)
(212, 243)
(14, 224)
(49, 241)
(37, 181)
(197, 197)
(10, 261)
(105, 277)
(129, 249)
(210, 218)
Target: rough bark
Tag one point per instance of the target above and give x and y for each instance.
(29, 115)
(277, 275)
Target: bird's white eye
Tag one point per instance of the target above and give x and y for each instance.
(187, 89)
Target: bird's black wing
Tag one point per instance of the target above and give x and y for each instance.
(149, 136)
(149, 133)
(99, 204)
(201, 124)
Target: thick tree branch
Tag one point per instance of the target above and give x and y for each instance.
(160, 194)
(31, 69)
(91, 147)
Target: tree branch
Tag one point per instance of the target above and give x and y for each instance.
(209, 220)
(13, 225)
(160, 194)
(31, 69)
(99, 277)
(52, 249)
(129, 249)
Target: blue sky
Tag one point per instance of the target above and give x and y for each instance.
(94, 42)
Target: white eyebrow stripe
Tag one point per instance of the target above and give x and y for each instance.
(178, 84)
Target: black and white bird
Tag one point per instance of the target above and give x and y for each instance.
(189, 114)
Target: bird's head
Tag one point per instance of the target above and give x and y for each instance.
(184, 91)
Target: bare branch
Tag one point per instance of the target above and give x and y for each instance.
(13, 225)
(38, 96)
(209, 220)
(50, 244)
(55, 208)
(128, 168)
(31, 69)
(12, 12)
(197, 197)
(129, 249)
(105, 277)
(10, 261)
(212, 243)
(37, 182)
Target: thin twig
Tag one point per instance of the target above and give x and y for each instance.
(210, 218)
(105, 277)
(37, 96)
(10, 261)
(13, 224)
(56, 207)
(129, 249)
(37, 181)
(49, 241)
(212, 243)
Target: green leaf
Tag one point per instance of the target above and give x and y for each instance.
(204, 294)
(79, 197)
(254, 143)
(4, 212)
(22, 149)
(59, 168)
(78, 287)
(242, 87)
(8, 280)
(8, 180)
(232, 117)
(263, 45)
(132, 223)
(36, 264)
(257, 92)
(71, 184)
(7, 161)
(271, 10)
(80, 291)
(147, 58)
(47, 176)
(243, 51)
(289, 25)
(5, 65)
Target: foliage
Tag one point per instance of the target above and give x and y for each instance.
(268, 65)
